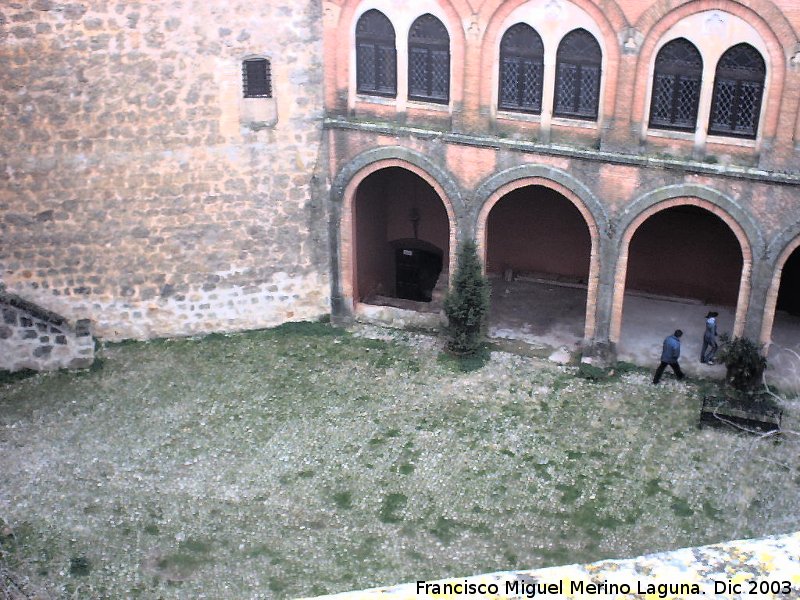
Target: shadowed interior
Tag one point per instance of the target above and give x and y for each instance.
(398, 218)
(686, 252)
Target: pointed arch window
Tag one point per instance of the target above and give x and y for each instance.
(738, 91)
(677, 79)
(376, 55)
(521, 70)
(429, 60)
(578, 62)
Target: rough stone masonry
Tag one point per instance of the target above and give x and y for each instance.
(140, 189)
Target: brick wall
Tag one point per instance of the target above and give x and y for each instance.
(615, 168)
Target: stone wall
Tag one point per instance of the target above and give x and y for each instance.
(140, 189)
(32, 338)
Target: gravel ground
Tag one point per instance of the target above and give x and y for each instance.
(306, 460)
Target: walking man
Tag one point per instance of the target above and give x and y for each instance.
(670, 355)
(709, 339)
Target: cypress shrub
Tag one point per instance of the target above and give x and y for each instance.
(467, 303)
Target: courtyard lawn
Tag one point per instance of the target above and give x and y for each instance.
(306, 460)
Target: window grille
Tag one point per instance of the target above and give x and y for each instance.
(429, 60)
(376, 56)
(677, 79)
(738, 92)
(578, 63)
(521, 70)
(256, 78)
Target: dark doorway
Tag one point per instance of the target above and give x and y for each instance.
(417, 270)
(789, 291)
(402, 239)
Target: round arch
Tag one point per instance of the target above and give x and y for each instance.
(781, 248)
(740, 224)
(655, 22)
(498, 186)
(343, 192)
(609, 19)
(455, 13)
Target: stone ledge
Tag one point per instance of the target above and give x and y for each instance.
(619, 158)
(726, 570)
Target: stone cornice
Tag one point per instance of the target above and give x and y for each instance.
(604, 156)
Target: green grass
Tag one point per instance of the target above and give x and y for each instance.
(305, 459)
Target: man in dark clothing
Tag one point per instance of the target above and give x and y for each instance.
(709, 339)
(670, 355)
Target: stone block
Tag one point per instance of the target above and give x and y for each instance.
(83, 362)
(9, 316)
(42, 351)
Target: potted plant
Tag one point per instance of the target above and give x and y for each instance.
(743, 401)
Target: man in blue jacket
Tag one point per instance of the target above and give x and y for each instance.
(670, 355)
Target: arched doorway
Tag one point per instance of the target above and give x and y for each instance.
(401, 241)
(788, 300)
(538, 249)
(682, 262)
(781, 322)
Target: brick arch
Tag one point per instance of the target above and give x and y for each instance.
(764, 9)
(655, 202)
(778, 36)
(513, 183)
(343, 192)
(457, 11)
(610, 19)
(781, 248)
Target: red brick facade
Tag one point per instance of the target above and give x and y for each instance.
(615, 168)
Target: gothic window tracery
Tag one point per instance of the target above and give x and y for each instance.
(677, 80)
(429, 60)
(578, 62)
(521, 70)
(376, 55)
(738, 91)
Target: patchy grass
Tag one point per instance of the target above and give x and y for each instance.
(305, 459)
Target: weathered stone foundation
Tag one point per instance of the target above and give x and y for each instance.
(33, 338)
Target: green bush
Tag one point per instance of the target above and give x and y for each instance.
(591, 372)
(744, 362)
(467, 303)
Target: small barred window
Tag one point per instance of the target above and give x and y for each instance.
(256, 78)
